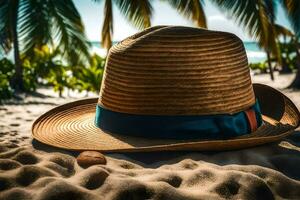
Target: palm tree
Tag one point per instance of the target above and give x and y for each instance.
(26, 24)
(292, 8)
(139, 13)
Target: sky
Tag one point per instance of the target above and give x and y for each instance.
(163, 14)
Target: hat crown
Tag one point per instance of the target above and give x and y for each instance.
(174, 70)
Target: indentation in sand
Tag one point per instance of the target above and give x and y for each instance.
(5, 183)
(61, 190)
(29, 174)
(26, 158)
(92, 178)
(62, 164)
(7, 164)
(16, 194)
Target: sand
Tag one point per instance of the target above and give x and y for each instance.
(30, 170)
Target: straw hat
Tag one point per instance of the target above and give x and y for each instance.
(172, 88)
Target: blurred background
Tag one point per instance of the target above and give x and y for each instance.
(60, 46)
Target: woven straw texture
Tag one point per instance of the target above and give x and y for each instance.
(177, 71)
(71, 126)
(171, 71)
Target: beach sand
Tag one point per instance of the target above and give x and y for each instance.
(31, 170)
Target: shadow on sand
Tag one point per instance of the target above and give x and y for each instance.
(281, 156)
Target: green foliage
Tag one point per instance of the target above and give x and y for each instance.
(44, 68)
(261, 67)
(59, 79)
(29, 24)
(288, 56)
(38, 67)
(5, 89)
(6, 73)
(89, 78)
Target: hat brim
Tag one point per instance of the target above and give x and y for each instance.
(71, 126)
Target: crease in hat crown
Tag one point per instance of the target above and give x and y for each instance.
(174, 70)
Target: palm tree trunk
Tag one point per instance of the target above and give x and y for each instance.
(270, 65)
(18, 77)
(285, 69)
(296, 82)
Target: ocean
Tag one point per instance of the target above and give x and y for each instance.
(254, 53)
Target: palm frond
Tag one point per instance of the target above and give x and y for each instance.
(257, 17)
(34, 25)
(138, 12)
(56, 23)
(6, 25)
(107, 28)
(292, 8)
(191, 9)
(68, 30)
(282, 31)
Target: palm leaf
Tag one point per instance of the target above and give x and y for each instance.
(191, 9)
(34, 25)
(257, 17)
(282, 31)
(6, 25)
(53, 22)
(69, 30)
(293, 11)
(138, 12)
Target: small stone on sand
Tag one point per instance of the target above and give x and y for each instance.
(89, 158)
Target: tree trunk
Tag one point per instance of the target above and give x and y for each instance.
(18, 77)
(270, 66)
(296, 82)
(60, 91)
(285, 69)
